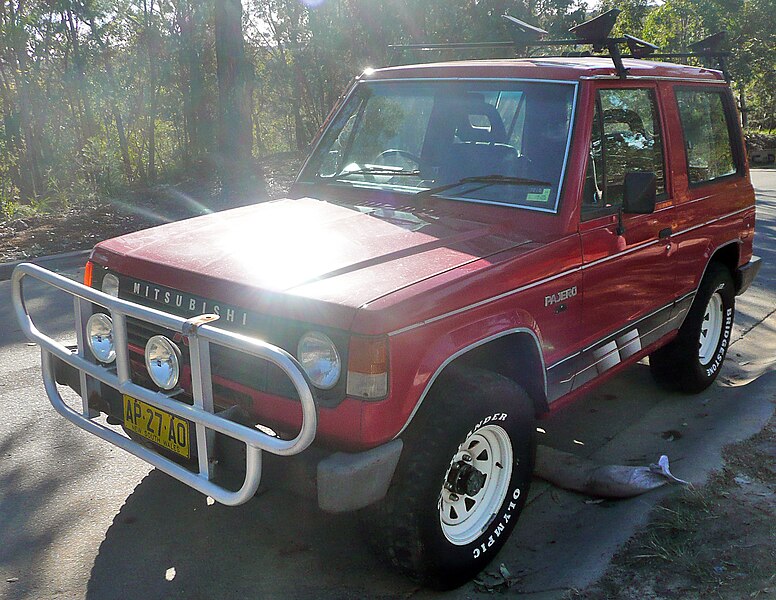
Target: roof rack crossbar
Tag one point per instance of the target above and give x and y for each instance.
(451, 46)
(594, 32)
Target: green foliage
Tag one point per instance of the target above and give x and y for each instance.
(96, 95)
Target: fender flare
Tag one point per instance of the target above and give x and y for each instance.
(521, 330)
(712, 253)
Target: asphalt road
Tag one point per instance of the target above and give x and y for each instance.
(81, 519)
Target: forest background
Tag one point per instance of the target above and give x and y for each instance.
(101, 96)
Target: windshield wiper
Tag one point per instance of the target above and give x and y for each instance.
(486, 180)
(377, 171)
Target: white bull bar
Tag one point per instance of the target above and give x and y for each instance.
(118, 376)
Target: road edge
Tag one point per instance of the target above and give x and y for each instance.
(64, 260)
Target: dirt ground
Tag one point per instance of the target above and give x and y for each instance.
(717, 541)
(81, 226)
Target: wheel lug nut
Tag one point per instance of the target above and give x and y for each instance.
(454, 498)
(467, 458)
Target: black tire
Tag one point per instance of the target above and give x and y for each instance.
(466, 405)
(679, 365)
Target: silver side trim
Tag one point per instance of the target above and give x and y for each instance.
(619, 349)
(694, 227)
(614, 334)
(617, 332)
(463, 351)
(623, 253)
(200, 336)
(565, 273)
(484, 302)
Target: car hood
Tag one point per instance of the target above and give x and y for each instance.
(303, 249)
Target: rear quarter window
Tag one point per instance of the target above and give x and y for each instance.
(707, 122)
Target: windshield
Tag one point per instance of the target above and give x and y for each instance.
(501, 142)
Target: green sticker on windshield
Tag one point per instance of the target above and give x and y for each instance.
(544, 196)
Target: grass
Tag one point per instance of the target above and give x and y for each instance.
(717, 541)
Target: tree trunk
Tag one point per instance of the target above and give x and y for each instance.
(300, 132)
(153, 40)
(152, 133)
(123, 146)
(29, 169)
(115, 112)
(235, 133)
(89, 126)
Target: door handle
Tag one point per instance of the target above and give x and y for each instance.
(665, 233)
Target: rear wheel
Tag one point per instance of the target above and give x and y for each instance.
(462, 480)
(691, 362)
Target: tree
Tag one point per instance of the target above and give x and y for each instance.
(235, 133)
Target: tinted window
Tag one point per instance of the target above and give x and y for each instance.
(706, 135)
(626, 138)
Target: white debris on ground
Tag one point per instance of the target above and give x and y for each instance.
(572, 472)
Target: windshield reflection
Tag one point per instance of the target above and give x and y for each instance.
(417, 135)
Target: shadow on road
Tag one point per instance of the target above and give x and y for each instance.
(275, 546)
(281, 546)
(35, 524)
(51, 311)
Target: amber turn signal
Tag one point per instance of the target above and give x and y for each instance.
(88, 273)
(368, 367)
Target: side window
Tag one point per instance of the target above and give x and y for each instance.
(706, 135)
(626, 138)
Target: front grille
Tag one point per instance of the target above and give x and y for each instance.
(230, 367)
(237, 367)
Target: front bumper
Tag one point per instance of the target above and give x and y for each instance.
(340, 481)
(117, 377)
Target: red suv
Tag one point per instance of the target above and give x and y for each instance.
(469, 245)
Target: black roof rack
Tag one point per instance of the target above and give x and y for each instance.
(594, 32)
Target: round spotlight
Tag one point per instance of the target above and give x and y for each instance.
(163, 361)
(99, 337)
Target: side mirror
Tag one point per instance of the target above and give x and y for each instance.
(639, 193)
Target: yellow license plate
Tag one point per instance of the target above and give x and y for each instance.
(159, 426)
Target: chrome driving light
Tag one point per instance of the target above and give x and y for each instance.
(99, 337)
(110, 285)
(319, 357)
(163, 362)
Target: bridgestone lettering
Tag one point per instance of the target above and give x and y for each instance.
(723, 343)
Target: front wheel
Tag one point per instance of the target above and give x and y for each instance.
(692, 361)
(462, 480)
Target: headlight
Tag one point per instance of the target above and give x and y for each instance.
(320, 359)
(110, 285)
(99, 337)
(163, 361)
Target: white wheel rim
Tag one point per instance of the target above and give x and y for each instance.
(464, 517)
(711, 329)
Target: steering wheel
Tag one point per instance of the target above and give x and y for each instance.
(398, 152)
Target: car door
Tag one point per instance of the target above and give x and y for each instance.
(628, 262)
